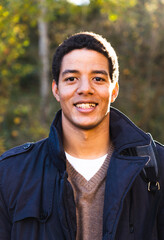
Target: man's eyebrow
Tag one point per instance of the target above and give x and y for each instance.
(100, 72)
(69, 71)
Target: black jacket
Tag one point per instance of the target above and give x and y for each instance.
(36, 199)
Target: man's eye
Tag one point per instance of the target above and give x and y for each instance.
(71, 79)
(99, 79)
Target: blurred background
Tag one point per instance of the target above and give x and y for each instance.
(30, 31)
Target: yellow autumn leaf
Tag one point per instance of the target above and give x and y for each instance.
(113, 17)
(5, 14)
(17, 120)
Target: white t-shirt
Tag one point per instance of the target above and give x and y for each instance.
(86, 167)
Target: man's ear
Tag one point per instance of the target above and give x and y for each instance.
(55, 90)
(115, 92)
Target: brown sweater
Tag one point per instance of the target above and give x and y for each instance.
(89, 199)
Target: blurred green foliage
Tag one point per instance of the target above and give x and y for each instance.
(135, 29)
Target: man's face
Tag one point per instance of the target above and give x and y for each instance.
(84, 89)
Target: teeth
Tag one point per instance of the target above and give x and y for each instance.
(85, 105)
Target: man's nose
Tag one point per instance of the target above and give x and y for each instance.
(85, 86)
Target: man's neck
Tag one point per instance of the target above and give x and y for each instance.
(90, 144)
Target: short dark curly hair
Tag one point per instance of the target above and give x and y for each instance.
(90, 41)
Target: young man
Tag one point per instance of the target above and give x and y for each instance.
(88, 180)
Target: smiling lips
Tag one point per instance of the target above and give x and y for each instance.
(85, 105)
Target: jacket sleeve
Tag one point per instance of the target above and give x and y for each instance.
(5, 224)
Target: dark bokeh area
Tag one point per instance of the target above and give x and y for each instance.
(30, 31)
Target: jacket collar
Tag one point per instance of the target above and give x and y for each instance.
(124, 134)
(55, 145)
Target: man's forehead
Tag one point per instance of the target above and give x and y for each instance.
(80, 61)
(84, 55)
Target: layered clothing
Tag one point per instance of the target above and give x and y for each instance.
(37, 200)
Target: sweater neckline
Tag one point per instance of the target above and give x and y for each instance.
(98, 177)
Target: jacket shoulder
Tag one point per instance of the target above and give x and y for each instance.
(17, 150)
(26, 147)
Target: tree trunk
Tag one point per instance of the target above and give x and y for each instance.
(44, 60)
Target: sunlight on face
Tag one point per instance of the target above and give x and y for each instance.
(85, 90)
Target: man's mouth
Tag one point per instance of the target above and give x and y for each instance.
(86, 105)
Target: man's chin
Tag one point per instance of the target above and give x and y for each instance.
(85, 126)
